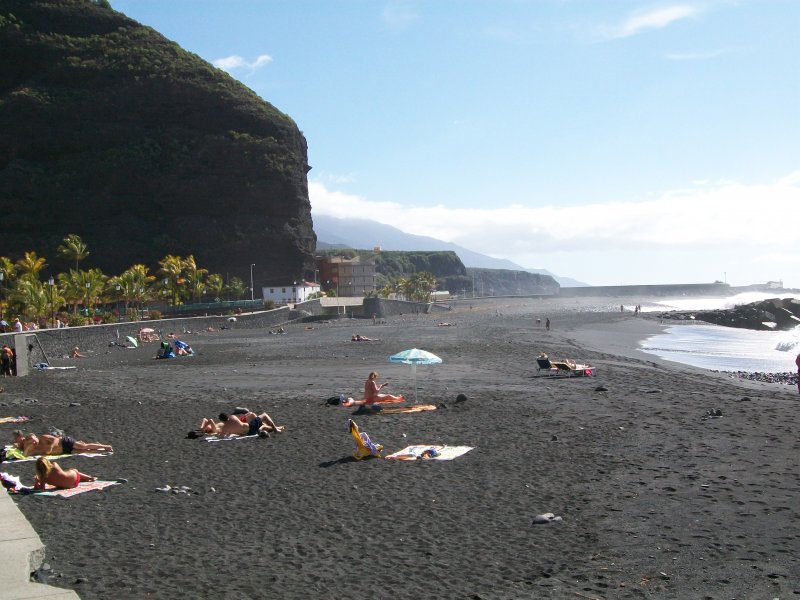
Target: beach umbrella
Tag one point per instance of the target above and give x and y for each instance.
(415, 357)
(147, 330)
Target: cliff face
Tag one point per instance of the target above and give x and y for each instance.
(111, 131)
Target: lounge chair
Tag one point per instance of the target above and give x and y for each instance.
(563, 368)
(546, 366)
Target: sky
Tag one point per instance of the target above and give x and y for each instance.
(614, 142)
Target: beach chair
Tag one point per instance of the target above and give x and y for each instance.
(562, 368)
(546, 368)
(364, 446)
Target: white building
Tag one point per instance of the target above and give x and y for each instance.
(292, 293)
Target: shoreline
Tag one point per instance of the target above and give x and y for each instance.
(645, 481)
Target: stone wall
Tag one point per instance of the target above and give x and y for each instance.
(57, 343)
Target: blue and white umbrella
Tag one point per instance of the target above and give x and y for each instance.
(415, 357)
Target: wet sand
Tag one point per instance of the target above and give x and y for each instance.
(656, 498)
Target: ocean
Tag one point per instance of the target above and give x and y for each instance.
(720, 348)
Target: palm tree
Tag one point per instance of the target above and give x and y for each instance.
(73, 248)
(8, 271)
(215, 285)
(134, 284)
(29, 298)
(172, 267)
(236, 288)
(193, 278)
(29, 265)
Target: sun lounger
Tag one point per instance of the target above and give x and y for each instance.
(562, 368)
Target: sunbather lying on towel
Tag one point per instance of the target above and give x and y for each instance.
(362, 338)
(51, 473)
(371, 395)
(46, 444)
(246, 424)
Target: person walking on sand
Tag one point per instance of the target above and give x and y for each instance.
(547, 324)
(50, 445)
(51, 473)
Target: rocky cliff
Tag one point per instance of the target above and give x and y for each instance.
(113, 132)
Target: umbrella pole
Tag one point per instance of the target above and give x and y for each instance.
(414, 370)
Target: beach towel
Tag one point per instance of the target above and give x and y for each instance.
(407, 409)
(229, 438)
(429, 452)
(84, 486)
(364, 446)
(44, 367)
(14, 419)
(12, 453)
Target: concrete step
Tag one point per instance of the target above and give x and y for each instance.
(35, 591)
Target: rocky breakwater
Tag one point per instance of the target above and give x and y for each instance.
(773, 314)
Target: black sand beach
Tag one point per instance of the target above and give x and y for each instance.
(657, 499)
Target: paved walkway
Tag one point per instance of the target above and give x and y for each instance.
(21, 553)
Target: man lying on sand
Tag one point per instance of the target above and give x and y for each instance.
(49, 445)
(247, 424)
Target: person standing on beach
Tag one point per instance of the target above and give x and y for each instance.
(547, 324)
(797, 362)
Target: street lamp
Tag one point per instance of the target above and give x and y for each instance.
(251, 281)
(119, 314)
(51, 282)
(88, 286)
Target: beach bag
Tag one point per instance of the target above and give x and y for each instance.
(335, 400)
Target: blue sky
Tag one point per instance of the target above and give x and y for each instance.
(616, 142)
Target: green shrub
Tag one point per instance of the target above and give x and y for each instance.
(155, 315)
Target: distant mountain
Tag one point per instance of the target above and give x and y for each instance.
(365, 234)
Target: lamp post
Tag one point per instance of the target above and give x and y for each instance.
(251, 281)
(2, 277)
(88, 287)
(119, 315)
(51, 282)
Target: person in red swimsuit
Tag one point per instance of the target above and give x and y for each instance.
(51, 473)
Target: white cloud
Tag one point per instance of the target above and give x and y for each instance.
(752, 222)
(654, 19)
(230, 63)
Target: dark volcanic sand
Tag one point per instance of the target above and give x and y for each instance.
(657, 499)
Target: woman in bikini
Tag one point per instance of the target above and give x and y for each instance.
(372, 393)
(52, 473)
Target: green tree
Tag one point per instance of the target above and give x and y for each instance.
(215, 285)
(193, 277)
(134, 284)
(73, 248)
(235, 288)
(172, 267)
(30, 265)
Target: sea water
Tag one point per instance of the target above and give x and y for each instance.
(721, 348)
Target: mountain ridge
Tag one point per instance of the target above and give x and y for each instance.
(365, 233)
